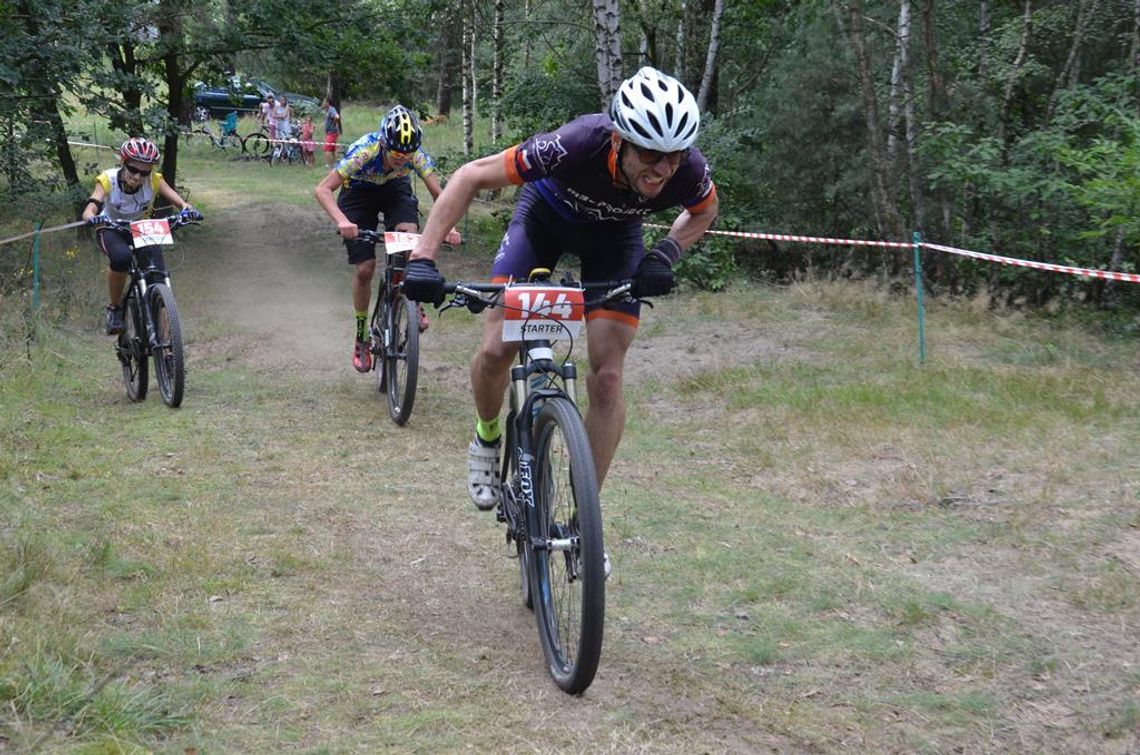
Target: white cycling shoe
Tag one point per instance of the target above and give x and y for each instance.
(483, 474)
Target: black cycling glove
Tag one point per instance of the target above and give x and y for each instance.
(654, 275)
(423, 282)
(191, 215)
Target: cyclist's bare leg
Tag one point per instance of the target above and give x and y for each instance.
(362, 284)
(115, 283)
(490, 367)
(607, 342)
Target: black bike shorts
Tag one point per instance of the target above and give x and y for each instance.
(117, 249)
(363, 206)
(538, 237)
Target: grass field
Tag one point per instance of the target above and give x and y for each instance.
(819, 545)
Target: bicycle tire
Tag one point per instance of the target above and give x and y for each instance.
(255, 144)
(169, 360)
(130, 348)
(568, 580)
(230, 142)
(402, 357)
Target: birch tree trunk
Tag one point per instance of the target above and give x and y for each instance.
(710, 58)
(1015, 73)
(682, 33)
(607, 47)
(984, 40)
(468, 71)
(497, 77)
(1070, 72)
(895, 104)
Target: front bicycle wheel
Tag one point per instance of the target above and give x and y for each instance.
(568, 576)
(402, 357)
(131, 348)
(169, 363)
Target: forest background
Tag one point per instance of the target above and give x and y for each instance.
(1004, 126)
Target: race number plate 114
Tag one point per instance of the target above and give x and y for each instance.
(551, 312)
(151, 233)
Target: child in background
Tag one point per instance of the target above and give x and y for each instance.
(307, 141)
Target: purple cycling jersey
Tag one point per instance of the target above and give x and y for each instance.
(574, 168)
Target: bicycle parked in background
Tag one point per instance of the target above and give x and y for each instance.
(152, 327)
(549, 499)
(286, 148)
(393, 331)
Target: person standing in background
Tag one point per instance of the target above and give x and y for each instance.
(332, 132)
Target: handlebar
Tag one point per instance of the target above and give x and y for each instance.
(479, 295)
(176, 221)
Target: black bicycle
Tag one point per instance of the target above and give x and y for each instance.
(549, 499)
(151, 326)
(394, 332)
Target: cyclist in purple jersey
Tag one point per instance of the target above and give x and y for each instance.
(588, 186)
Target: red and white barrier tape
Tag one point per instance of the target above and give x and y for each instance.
(1106, 274)
(65, 226)
(1066, 269)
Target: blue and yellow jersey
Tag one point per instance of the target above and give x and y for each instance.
(363, 163)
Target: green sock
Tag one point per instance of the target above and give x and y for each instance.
(361, 318)
(488, 432)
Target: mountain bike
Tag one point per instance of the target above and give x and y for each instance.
(549, 490)
(394, 331)
(152, 327)
(286, 148)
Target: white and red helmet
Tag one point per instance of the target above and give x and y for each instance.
(140, 150)
(655, 111)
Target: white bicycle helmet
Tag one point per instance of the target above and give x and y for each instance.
(655, 111)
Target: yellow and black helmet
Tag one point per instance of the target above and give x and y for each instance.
(401, 130)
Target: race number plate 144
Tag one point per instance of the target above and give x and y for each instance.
(550, 312)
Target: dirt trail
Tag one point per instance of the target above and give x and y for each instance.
(285, 279)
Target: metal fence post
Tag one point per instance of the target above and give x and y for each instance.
(917, 238)
(36, 266)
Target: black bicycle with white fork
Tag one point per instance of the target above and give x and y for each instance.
(151, 326)
(549, 489)
(394, 329)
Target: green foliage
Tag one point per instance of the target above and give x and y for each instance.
(544, 99)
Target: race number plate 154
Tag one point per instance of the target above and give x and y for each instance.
(399, 241)
(549, 312)
(151, 233)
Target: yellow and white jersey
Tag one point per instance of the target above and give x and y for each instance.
(119, 205)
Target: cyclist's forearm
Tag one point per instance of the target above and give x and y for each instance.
(327, 202)
(689, 227)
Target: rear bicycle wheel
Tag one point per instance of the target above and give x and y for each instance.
(402, 356)
(256, 144)
(568, 573)
(131, 348)
(169, 362)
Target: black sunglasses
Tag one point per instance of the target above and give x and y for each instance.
(137, 171)
(654, 156)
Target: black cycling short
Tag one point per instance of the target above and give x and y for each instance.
(117, 249)
(364, 205)
(538, 237)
